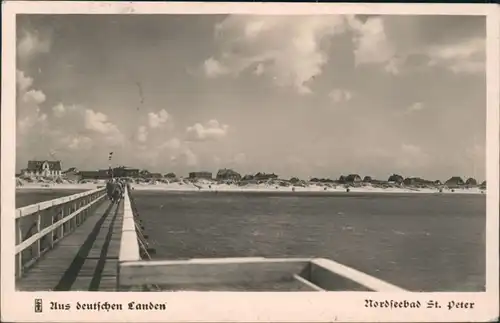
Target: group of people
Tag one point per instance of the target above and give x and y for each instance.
(115, 189)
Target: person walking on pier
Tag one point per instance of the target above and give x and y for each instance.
(118, 191)
(110, 189)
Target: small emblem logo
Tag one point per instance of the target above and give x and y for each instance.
(38, 305)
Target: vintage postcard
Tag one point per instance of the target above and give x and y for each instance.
(249, 162)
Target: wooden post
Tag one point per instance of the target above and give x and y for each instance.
(73, 227)
(19, 256)
(61, 228)
(38, 248)
(84, 213)
(51, 234)
(77, 219)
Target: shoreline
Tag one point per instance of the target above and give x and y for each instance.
(252, 188)
(220, 188)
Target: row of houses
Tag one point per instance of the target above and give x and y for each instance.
(54, 169)
(455, 181)
(229, 174)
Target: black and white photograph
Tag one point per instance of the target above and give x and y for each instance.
(251, 152)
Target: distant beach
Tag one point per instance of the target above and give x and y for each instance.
(213, 186)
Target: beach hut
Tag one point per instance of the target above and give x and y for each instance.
(470, 182)
(263, 176)
(200, 175)
(227, 174)
(353, 178)
(454, 182)
(170, 176)
(395, 178)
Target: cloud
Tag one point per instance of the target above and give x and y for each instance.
(29, 115)
(142, 134)
(31, 43)
(213, 68)
(212, 130)
(99, 123)
(392, 41)
(340, 95)
(33, 96)
(417, 106)
(76, 142)
(157, 119)
(371, 43)
(76, 119)
(173, 143)
(288, 49)
(468, 56)
(23, 82)
(60, 110)
(29, 123)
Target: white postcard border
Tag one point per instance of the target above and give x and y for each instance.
(246, 306)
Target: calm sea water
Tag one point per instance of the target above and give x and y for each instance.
(421, 242)
(26, 197)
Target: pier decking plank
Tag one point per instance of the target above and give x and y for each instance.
(85, 260)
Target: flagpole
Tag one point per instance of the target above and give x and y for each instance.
(109, 160)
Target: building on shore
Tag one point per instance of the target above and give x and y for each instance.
(417, 181)
(264, 177)
(72, 174)
(227, 174)
(471, 182)
(123, 171)
(43, 168)
(94, 174)
(170, 176)
(454, 182)
(200, 175)
(352, 178)
(395, 178)
(155, 175)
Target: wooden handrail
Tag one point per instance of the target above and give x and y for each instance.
(318, 274)
(129, 244)
(34, 208)
(39, 235)
(77, 205)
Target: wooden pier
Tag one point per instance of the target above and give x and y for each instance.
(85, 242)
(86, 260)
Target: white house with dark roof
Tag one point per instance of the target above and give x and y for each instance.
(43, 168)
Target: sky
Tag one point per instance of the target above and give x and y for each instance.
(306, 96)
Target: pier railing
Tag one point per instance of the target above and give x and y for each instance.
(40, 226)
(309, 274)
